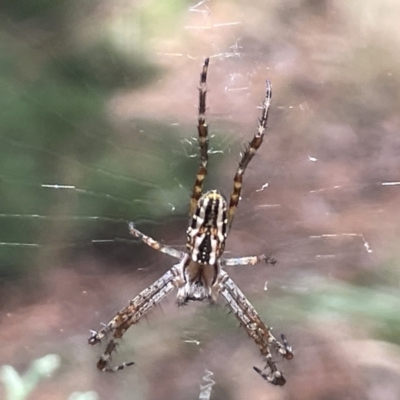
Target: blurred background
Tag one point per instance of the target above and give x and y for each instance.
(98, 127)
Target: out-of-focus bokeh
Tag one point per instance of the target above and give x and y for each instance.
(98, 113)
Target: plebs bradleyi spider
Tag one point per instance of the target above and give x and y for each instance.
(199, 274)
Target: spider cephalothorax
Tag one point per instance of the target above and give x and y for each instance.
(200, 272)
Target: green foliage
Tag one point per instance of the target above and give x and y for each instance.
(54, 130)
(91, 395)
(19, 387)
(375, 307)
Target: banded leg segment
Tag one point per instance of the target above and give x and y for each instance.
(203, 140)
(256, 329)
(248, 154)
(131, 314)
(170, 251)
(252, 260)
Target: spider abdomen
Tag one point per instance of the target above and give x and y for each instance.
(200, 282)
(207, 231)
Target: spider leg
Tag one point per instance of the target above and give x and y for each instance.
(154, 244)
(256, 329)
(131, 314)
(203, 140)
(253, 260)
(248, 154)
(104, 362)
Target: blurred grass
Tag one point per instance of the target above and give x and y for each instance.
(21, 387)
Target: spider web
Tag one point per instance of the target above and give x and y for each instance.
(98, 128)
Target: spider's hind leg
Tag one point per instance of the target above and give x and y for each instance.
(104, 362)
(256, 329)
(270, 372)
(138, 307)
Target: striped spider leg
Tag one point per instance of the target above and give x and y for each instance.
(256, 329)
(199, 274)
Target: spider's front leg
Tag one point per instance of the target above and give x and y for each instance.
(256, 329)
(131, 314)
(202, 130)
(248, 154)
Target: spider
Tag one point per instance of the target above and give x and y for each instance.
(199, 274)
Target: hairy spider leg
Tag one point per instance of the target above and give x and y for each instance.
(104, 362)
(248, 154)
(203, 141)
(131, 314)
(154, 244)
(252, 260)
(256, 329)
